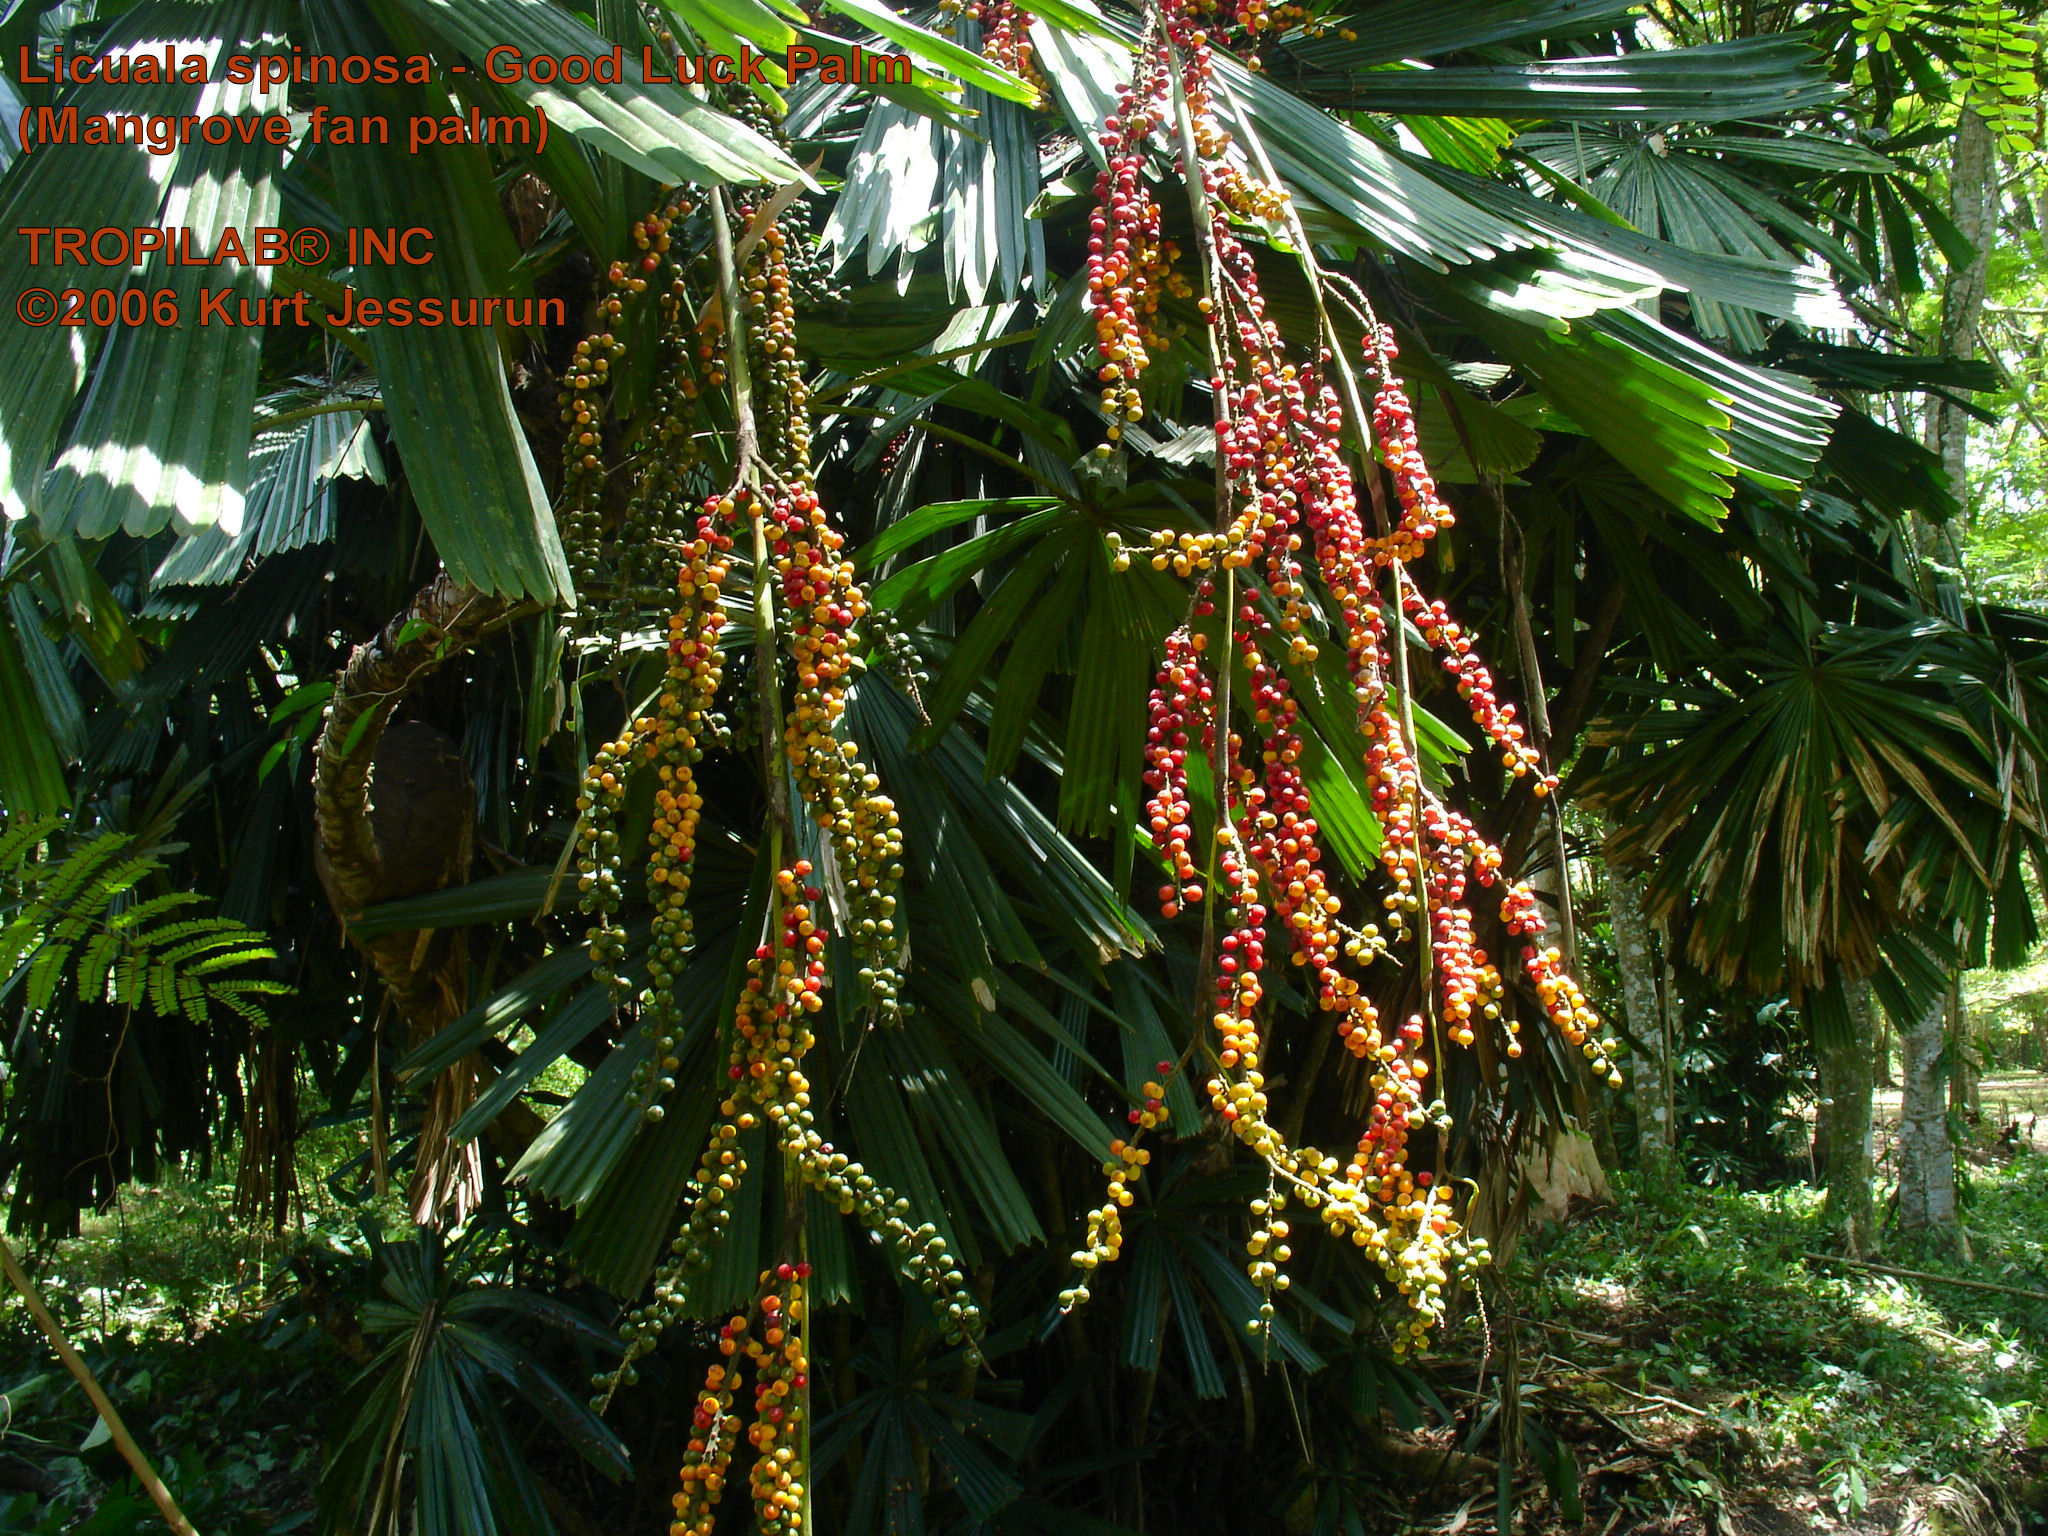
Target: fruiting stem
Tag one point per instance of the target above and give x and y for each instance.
(1212, 289)
(747, 467)
(1354, 398)
(1539, 721)
(746, 436)
(1427, 924)
(746, 461)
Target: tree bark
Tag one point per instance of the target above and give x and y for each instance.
(1592, 1104)
(1927, 1164)
(1652, 1085)
(1844, 1132)
(1966, 1059)
(1973, 205)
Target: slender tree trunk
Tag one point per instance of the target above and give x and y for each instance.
(1844, 1132)
(1674, 1038)
(1884, 1052)
(1927, 1164)
(1966, 1059)
(1927, 1193)
(1973, 205)
(1651, 1086)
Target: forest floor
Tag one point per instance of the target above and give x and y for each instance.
(1707, 1370)
(1683, 1362)
(2006, 1098)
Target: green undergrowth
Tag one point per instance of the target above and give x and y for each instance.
(1684, 1361)
(192, 1322)
(1705, 1319)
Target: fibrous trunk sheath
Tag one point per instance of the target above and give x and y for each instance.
(395, 813)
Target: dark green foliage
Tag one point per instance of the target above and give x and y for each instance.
(422, 1427)
(77, 922)
(125, 1012)
(1741, 511)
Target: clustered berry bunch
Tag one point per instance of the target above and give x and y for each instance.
(1126, 1165)
(618, 557)
(772, 1034)
(770, 1338)
(821, 605)
(1006, 39)
(1289, 509)
(807, 605)
(822, 602)
(1130, 263)
(1005, 36)
(672, 740)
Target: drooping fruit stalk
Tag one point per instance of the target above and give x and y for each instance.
(1104, 1238)
(1287, 549)
(805, 604)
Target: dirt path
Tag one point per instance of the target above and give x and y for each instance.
(2006, 1096)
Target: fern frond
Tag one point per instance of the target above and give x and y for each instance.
(183, 956)
(68, 931)
(246, 1011)
(94, 965)
(243, 953)
(20, 841)
(45, 972)
(155, 951)
(143, 912)
(18, 937)
(121, 878)
(249, 985)
(183, 930)
(82, 866)
(163, 989)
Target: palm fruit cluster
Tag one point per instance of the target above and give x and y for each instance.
(1130, 263)
(672, 742)
(1005, 36)
(772, 1033)
(821, 603)
(769, 1337)
(618, 549)
(614, 561)
(1289, 548)
(805, 584)
(1006, 39)
(767, 1068)
(1104, 1239)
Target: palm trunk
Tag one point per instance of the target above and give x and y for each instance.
(1844, 1132)
(1927, 1164)
(1651, 1088)
(1927, 1192)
